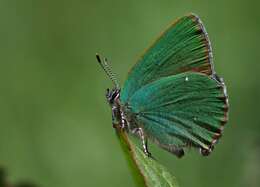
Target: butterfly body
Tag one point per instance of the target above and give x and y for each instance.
(173, 96)
(124, 116)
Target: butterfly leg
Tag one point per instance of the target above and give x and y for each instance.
(114, 115)
(140, 132)
(124, 122)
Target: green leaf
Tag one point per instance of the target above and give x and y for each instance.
(146, 171)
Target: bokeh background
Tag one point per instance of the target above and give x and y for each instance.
(55, 124)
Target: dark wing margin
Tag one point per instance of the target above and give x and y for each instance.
(184, 46)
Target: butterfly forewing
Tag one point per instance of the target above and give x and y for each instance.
(183, 47)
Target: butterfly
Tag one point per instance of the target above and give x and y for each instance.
(172, 95)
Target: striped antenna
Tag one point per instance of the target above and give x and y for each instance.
(108, 70)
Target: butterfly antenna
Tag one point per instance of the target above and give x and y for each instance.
(108, 70)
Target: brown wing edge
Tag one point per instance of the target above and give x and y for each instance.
(203, 151)
(210, 70)
(206, 152)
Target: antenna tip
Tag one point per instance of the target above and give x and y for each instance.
(98, 58)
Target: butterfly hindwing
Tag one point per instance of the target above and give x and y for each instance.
(188, 109)
(183, 47)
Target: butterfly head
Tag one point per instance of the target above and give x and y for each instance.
(112, 95)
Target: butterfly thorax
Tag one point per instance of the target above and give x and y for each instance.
(118, 114)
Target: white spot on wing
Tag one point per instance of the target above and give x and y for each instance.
(186, 79)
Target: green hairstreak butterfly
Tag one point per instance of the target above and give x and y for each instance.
(172, 96)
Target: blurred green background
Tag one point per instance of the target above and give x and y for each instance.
(55, 124)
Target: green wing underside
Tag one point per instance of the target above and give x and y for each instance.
(188, 109)
(183, 47)
(173, 93)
